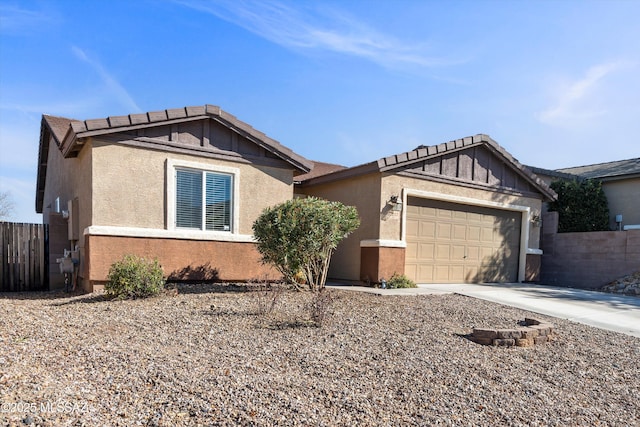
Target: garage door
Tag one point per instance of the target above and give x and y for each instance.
(454, 243)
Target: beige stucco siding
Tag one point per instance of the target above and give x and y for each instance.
(363, 192)
(381, 226)
(130, 186)
(391, 229)
(623, 197)
(69, 180)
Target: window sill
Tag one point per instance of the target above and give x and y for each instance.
(155, 233)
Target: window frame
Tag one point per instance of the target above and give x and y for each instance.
(172, 168)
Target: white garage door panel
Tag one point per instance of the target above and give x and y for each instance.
(449, 243)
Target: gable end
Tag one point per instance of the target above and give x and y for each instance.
(474, 165)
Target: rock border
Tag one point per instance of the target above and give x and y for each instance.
(627, 285)
(533, 332)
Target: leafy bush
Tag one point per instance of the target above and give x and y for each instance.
(135, 277)
(581, 206)
(299, 236)
(400, 281)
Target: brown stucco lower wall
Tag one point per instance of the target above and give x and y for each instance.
(377, 263)
(589, 260)
(180, 259)
(532, 268)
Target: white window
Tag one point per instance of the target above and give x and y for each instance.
(202, 197)
(204, 200)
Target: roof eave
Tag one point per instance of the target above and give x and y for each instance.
(422, 153)
(43, 154)
(302, 164)
(523, 171)
(116, 124)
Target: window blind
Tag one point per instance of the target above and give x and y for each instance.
(203, 200)
(218, 207)
(188, 199)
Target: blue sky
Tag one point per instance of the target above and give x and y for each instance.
(556, 83)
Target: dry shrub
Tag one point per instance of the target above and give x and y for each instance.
(320, 306)
(266, 296)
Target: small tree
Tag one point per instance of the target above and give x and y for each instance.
(300, 235)
(6, 205)
(581, 206)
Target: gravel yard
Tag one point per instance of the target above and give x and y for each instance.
(207, 357)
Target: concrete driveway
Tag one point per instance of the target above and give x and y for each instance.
(617, 313)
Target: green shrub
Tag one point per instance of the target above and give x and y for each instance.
(135, 277)
(400, 281)
(299, 236)
(581, 206)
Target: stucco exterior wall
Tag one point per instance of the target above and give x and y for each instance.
(180, 259)
(381, 226)
(121, 196)
(67, 179)
(363, 192)
(623, 197)
(130, 189)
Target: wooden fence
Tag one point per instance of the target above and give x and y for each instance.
(23, 257)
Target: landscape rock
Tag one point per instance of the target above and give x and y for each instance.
(203, 356)
(627, 285)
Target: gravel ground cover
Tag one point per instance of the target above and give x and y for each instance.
(208, 356)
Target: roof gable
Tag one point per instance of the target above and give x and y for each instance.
(202, 130)
(51, 127)
(155, 119)
(476, 160)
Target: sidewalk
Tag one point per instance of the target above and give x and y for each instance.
(617, 313)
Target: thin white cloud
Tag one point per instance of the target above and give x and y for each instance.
(110, 82)
(15, 20)
(66, 108)
(328, 30)
(572, 103)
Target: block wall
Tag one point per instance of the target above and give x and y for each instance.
(587, 260)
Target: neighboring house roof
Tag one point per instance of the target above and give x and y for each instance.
(404, 161)
(70, 134)
(607, 171)
(610, 171)
(552, 173)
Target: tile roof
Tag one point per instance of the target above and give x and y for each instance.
(69, 134)
(59, 126)
(423, 152)
(552, 173)
(112, 124)
(319, 169)
(618, 168)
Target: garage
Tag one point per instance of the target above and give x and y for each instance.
(456, 243)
